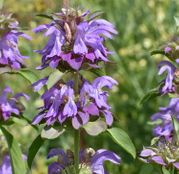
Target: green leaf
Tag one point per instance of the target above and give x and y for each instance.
(157, 52)
(95, 128)
(154, 140)
(54, 78)
(4, 70)
(122, 139)
(28, 75)
(176, 21)
(44, 16)
(98, 71)
(146, 169)
(51, 133)
(156, 122)
(150, 95)
(17, 163)
(165, 171)
(34, 148)
(1, 4)
(176, 128)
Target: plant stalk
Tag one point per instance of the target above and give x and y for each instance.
(76, 132)
(76, 149)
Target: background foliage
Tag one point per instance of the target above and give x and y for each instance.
(143, 25)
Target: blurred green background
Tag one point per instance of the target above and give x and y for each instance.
(143, 25)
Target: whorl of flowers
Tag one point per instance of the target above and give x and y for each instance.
(164, 116)
(76, 40)
(9, 34)
(75, 43)
(10, 106)
(164, 152)
(60, 102)
(91, 162)
(164, 149)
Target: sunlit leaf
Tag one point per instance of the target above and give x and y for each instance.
(176, 127)
(18, 164)
(165, 171)
(28, 75)
(54, 78)
(122, 139)
(51, 133)
(176, 21)
(95, 128)
(1, 4)
(154, 140)
(4, 70)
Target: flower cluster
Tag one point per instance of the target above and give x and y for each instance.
(164, 153)
(5, 167)
(75, 43)
(9, 34)
(90, 161)
(75, 39)
(171, 50)
(60, 102)
(164, 147)
(164, 116)
(9, 106)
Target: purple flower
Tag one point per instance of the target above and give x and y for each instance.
(5, 167)
(168, 81)
(39, 84)
(9, 52)
(163, 153)
(90, 161)
(98, 159)
(94, 99)
(75, 39)
(9, 106)
(167, 49)
(165, 126)
(60, 102)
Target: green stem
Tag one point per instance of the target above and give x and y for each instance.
(173, 170)
(76, 132)
(76, 149)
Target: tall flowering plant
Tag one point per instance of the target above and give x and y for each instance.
(163, 150)
(75, 50)
(76, 46)
(11, 106)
